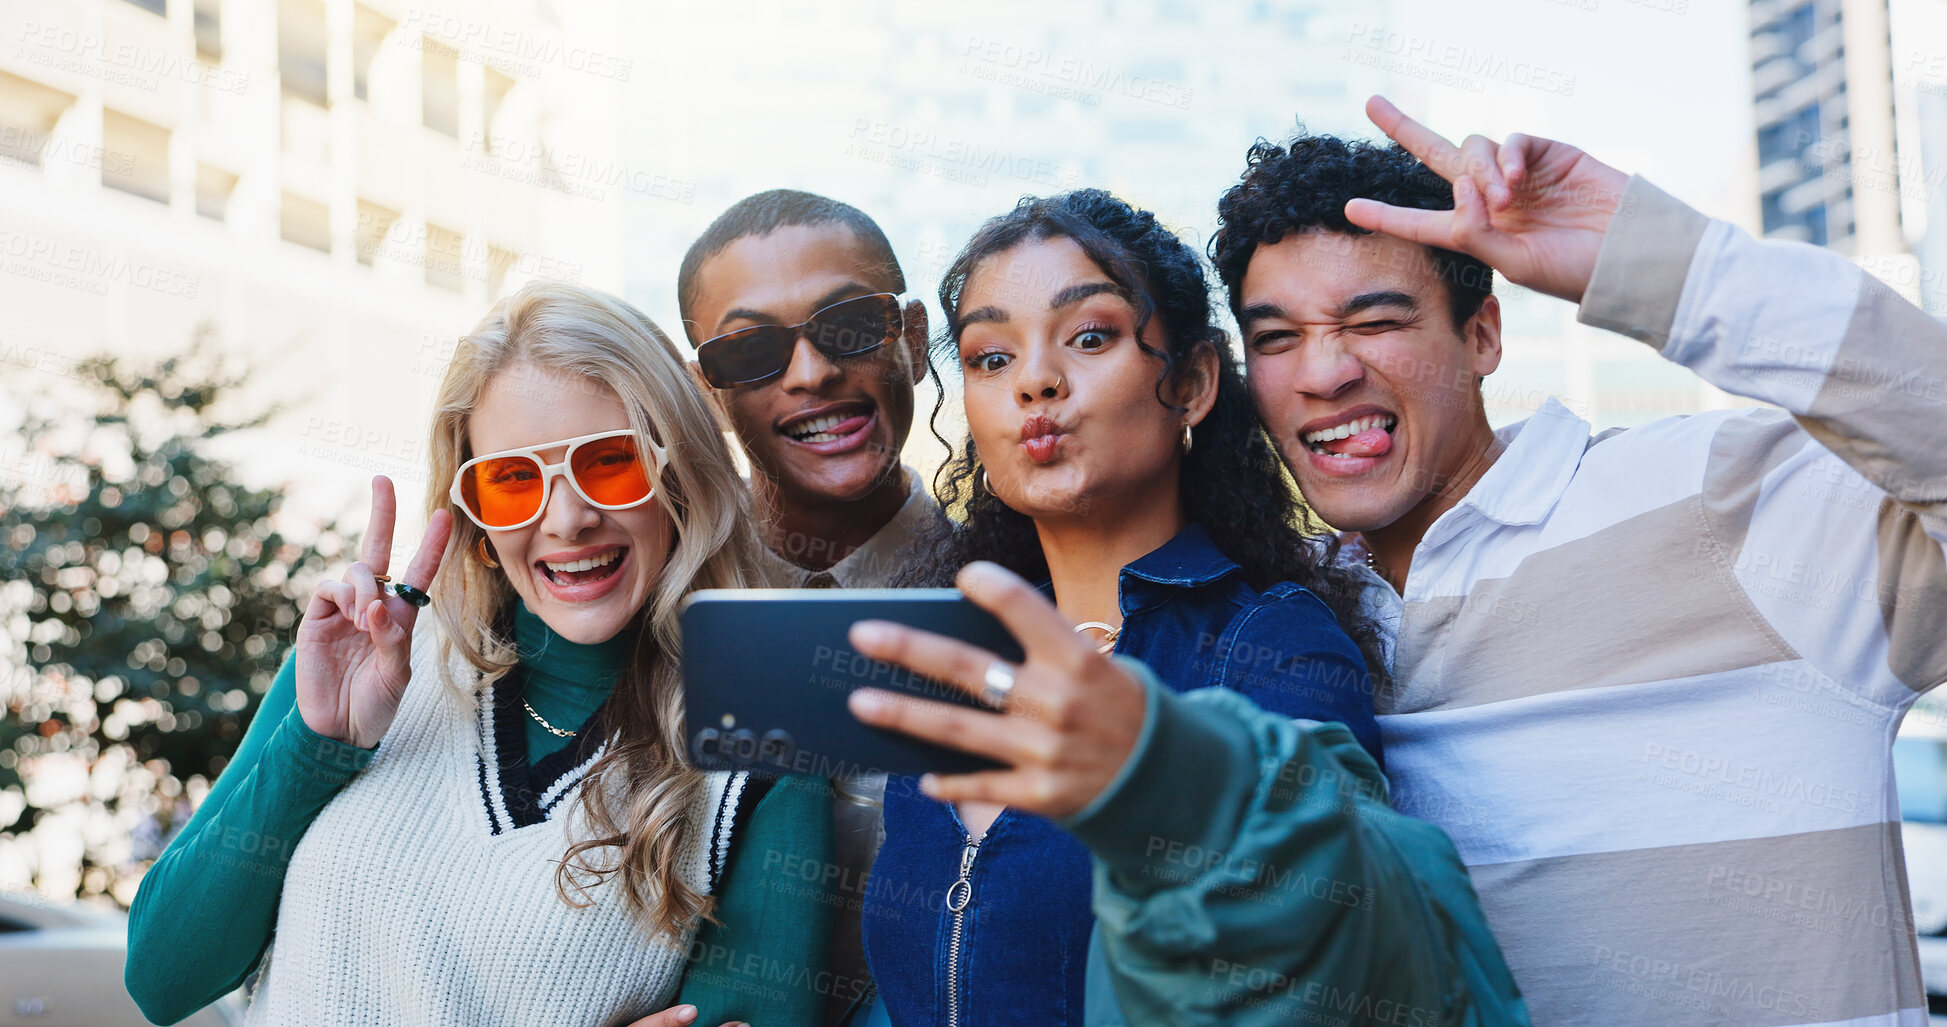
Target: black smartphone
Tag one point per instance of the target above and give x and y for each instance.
(766, 673)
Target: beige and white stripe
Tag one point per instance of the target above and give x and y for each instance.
(1648, 681)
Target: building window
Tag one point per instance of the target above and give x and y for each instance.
(134, 156)
(499, 262)
(497, 88)
(439, 87)
(369, 32)
(213, 189)
(445, 258)
(301, 50)
(306, 222)
(209, 30)
(374, 224)
(28, 114)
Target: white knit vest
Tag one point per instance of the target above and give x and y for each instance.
(415, 899)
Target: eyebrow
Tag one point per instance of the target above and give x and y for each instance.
(1082, 291)
(1258, 312)
(1067, 297)
(841, 292)
(1357, 304)
(1368, 300)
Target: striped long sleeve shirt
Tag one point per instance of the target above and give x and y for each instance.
(1648, 679)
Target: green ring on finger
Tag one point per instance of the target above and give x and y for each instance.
(409, 594)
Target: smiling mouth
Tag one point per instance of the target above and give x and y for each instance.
(827, 427)
(585, 570)
(1370, 436)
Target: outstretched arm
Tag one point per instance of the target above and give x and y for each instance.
(1248, 869)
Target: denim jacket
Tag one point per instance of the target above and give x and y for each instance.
(997, 932)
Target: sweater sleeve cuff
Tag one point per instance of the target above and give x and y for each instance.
(1645, 258)
(1184, 749)
(314, 757)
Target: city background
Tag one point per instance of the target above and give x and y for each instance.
(324, 194)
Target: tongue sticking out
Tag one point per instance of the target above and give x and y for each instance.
(1371, 442)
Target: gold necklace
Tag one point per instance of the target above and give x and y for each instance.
(1110, 633)
(538, 719)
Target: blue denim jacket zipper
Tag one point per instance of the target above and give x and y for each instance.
(959, 895)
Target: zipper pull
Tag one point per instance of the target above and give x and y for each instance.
(959, 894)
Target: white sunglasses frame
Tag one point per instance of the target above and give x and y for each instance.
(551, 471)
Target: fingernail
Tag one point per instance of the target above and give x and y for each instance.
(865, 703)
(930, 784)
(685, 1014)
(868, 633)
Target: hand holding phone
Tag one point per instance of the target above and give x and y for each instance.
(1072, 715)
(767, 672)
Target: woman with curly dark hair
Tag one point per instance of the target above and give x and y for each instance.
(1114, 455)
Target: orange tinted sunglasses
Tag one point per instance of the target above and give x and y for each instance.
(507, 490)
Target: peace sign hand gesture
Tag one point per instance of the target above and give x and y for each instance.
(1068, 723)
(1531, 208)
(355, 642)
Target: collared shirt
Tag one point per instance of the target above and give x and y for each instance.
(1646, 679)
(877, 563)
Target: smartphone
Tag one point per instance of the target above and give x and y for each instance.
(766, 673)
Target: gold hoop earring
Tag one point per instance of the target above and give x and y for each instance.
(480, 552)
(1188, 439)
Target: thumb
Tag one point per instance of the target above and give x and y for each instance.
(392, 632)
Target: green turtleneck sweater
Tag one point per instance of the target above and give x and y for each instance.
(205, 911)
(565, 682)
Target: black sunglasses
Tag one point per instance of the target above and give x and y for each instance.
(848, 328)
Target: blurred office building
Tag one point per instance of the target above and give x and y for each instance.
(334, 189)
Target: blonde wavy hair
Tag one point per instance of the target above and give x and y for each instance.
(637, 799)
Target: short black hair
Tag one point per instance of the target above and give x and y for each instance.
(766, 212)
(1304, 185)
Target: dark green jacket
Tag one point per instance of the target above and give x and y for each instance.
(1249, 870)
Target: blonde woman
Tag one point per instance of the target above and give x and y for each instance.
(484, 816)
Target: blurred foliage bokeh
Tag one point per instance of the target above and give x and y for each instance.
(147, 598)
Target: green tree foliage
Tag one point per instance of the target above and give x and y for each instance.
(147, 600)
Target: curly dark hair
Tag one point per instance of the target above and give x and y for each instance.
(1233, 482)
(1304, 185)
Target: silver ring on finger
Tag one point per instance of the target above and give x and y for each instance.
(997, 684)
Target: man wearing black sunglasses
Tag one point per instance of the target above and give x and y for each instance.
(805, 342)
(809, 348)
